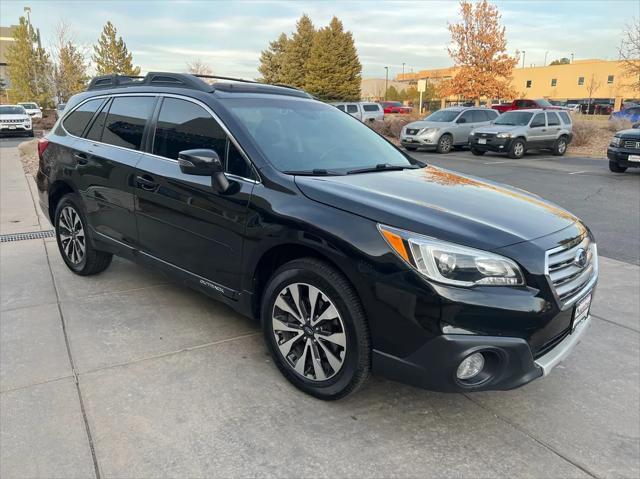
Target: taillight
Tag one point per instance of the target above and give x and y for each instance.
(42, 145)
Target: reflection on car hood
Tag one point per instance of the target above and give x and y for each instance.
(443, 204)
(427, 124)
(631, 133)
(497, 129)
(18, 116)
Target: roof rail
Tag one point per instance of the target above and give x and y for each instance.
(179, 80)
(217, 77)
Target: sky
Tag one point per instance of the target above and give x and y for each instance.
(229, 35)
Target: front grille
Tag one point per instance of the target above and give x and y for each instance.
(632, 144)
(567, 273)
(12, 121)
(485, 135)
(412, 131)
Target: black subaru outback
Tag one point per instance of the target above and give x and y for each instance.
(354, 256)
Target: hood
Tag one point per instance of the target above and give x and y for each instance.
(439, 203)
(18, 116)
(497, 128)
(631, 133)
(427, 124)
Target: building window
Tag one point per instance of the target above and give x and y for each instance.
(554, 81)
(580, 81)
(528, 83)
(610, 79)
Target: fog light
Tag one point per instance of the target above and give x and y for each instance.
(470, 366)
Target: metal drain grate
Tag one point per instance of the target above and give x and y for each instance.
(26, 236)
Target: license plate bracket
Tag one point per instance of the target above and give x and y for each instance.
(581, 310)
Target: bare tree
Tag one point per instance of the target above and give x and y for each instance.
(629, 53)
(69, 74)
(198, 67)
(592, 86)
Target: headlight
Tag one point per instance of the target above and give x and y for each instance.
(450, 263)
(472, 133)
(616, 140)
(503, 135)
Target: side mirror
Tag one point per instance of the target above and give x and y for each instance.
(636, 125)
(202, 162)
(461, 120)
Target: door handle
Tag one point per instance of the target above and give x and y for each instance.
(544, 129)
(81, 158)
(146, 183)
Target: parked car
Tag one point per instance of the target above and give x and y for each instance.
(33, 109)
(630, 113)
(624, 150)
(363, 111)
(574, 107)
(60, 109)
(395, 107)
(14, 119)
(353, 255)
(445, 128)
(527, 105)
(515, 132)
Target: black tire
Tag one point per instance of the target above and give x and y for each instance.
(356, 356)
(411, 148)
(445, 143)
(477, 152)
(518, 147)
(616, 168)
(560, 146)
(90, 261)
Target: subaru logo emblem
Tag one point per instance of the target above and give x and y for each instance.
(580, 258)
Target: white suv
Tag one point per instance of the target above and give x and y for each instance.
(363, 111)
(33, 109)
(15, 119)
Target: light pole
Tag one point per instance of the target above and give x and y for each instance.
(545, 57)
(523, 55)
(572, 58)
(386, 80)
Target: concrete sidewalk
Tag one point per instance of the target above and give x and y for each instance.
(127, 374)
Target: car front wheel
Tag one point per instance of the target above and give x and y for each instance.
(445, 143)
(316, 330)
(71, 234)
(616, 168)
(517, 149)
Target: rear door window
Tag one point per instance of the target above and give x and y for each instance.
(77, 121)
(352, 108)
(552, 119)
(95, 130)
(478, 116)
(126, 120)
(371, 107)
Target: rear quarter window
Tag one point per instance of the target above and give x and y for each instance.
(77, 120)
(566, 118)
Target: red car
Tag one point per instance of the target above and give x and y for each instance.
(395, 107)
(527, 104)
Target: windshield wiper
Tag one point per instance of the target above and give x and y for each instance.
(382, 167)
(314, 172)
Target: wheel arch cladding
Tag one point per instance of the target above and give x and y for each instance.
(57, 190)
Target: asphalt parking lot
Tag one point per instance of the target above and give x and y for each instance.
(127, 374)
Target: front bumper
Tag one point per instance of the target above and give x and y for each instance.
(498, 145)
(13, 128)
(621, 156)
(420, 141)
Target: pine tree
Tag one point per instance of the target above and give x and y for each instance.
(70, 69)
(111, 54)
(29, 67)
(333, 68)
(271, 60)
(297, 53)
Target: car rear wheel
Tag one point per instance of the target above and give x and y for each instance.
(517, 149)
(445, 143)
(477, 152)
(71, 234)
(559, 147)
(316, 330)
(616, 168)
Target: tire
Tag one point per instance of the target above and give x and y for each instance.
(70, 216)
(559, 147)
(616, 168)
(445, 144)
(477, 152)
(411, 148)
(517, 149)
(291, 340)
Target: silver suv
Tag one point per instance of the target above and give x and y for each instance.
(445, 128)
(363, 111)
(515, 132)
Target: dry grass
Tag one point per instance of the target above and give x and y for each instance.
(29, 156)
(592, 136)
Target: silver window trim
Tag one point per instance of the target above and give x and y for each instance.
(168, 95)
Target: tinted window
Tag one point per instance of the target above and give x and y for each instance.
(444, 116)
(12, 110)
(491, 114)
(183, 125)
(467, 117)
(340, 107)
(126, 120)
(580, 80)
(513, 118)
(538, 120)
(478, 116)
(553, 119)
(76, 122)
(566, 119)
(95, 131)
(554, 81)
(236, 164)
(352, 108)
(370, 108)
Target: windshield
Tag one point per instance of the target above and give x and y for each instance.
(304, 135)
(12, 110)
(514, 118)
(543, 102)
(444, 116)
(392, 103)
(30, 106)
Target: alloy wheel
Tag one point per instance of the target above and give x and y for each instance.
(309, 331)
(562, 146)
(71, 234)
(518, 150)
(446, 144)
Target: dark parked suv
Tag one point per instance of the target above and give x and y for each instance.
(354, 255)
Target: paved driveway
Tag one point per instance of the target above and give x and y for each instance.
(127, 374)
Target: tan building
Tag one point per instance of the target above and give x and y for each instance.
(372, 89)
(578, 81)
(6, 38)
